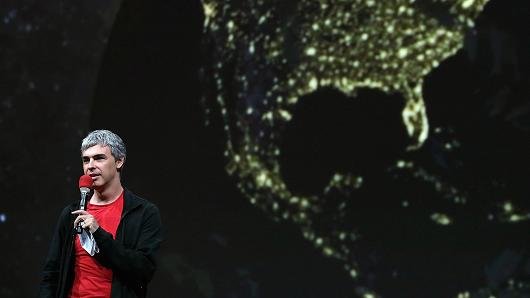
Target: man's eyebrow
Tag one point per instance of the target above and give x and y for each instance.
(101, 155)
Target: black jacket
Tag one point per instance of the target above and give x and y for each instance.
(131, 256)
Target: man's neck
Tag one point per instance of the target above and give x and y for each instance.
(107, 195)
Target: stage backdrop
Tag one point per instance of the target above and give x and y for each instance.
(295, 148)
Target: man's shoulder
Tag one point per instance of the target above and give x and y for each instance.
(133, 199)
(72, 206)
(66, 212)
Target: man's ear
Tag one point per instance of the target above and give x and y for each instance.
(119, 163)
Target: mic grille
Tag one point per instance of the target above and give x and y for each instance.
(85, 181)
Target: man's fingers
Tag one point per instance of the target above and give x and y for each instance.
(81, 216)
(78, 219)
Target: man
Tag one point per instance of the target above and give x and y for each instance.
(124, 229)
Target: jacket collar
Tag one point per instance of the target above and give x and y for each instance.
(130, 201)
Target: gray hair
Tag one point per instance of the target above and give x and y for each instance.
(105, 138)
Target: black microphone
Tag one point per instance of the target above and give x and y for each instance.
(85, 185)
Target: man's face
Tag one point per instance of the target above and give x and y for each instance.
(99, 164)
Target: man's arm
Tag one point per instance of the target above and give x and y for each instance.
(51, 270)
(138, 264)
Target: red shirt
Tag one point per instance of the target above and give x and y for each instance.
(91, 279)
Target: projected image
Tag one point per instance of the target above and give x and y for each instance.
(326, 110)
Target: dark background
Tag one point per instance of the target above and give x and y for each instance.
(68, 67)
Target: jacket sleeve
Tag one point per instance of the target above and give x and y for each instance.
(52, 265)
(138, 264)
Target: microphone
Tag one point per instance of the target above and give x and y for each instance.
(85, 185)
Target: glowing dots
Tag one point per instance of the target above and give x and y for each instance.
(509, 213)
(276, 64)
(3, 217)
(285, 115)
(302, 216)
(337, 178)
(267, 116)
(415, 119)
(313, 83)
(275, 206)
(209, 12)
(467, 3)
(328, 251)
(308, 235)
(515, 218)
(402, 53)
(311, 51)
(262, 180)
(459, 200)
(519, 217)
(318, 241)
(353, 273)
(507, 206)
(441, 219)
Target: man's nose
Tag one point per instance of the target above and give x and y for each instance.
(91, 163)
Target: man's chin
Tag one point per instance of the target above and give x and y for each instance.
(97, 185)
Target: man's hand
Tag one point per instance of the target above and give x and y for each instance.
(88, 222)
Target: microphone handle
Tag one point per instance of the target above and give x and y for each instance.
(82, 206)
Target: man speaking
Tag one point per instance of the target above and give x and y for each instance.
(106, 247)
